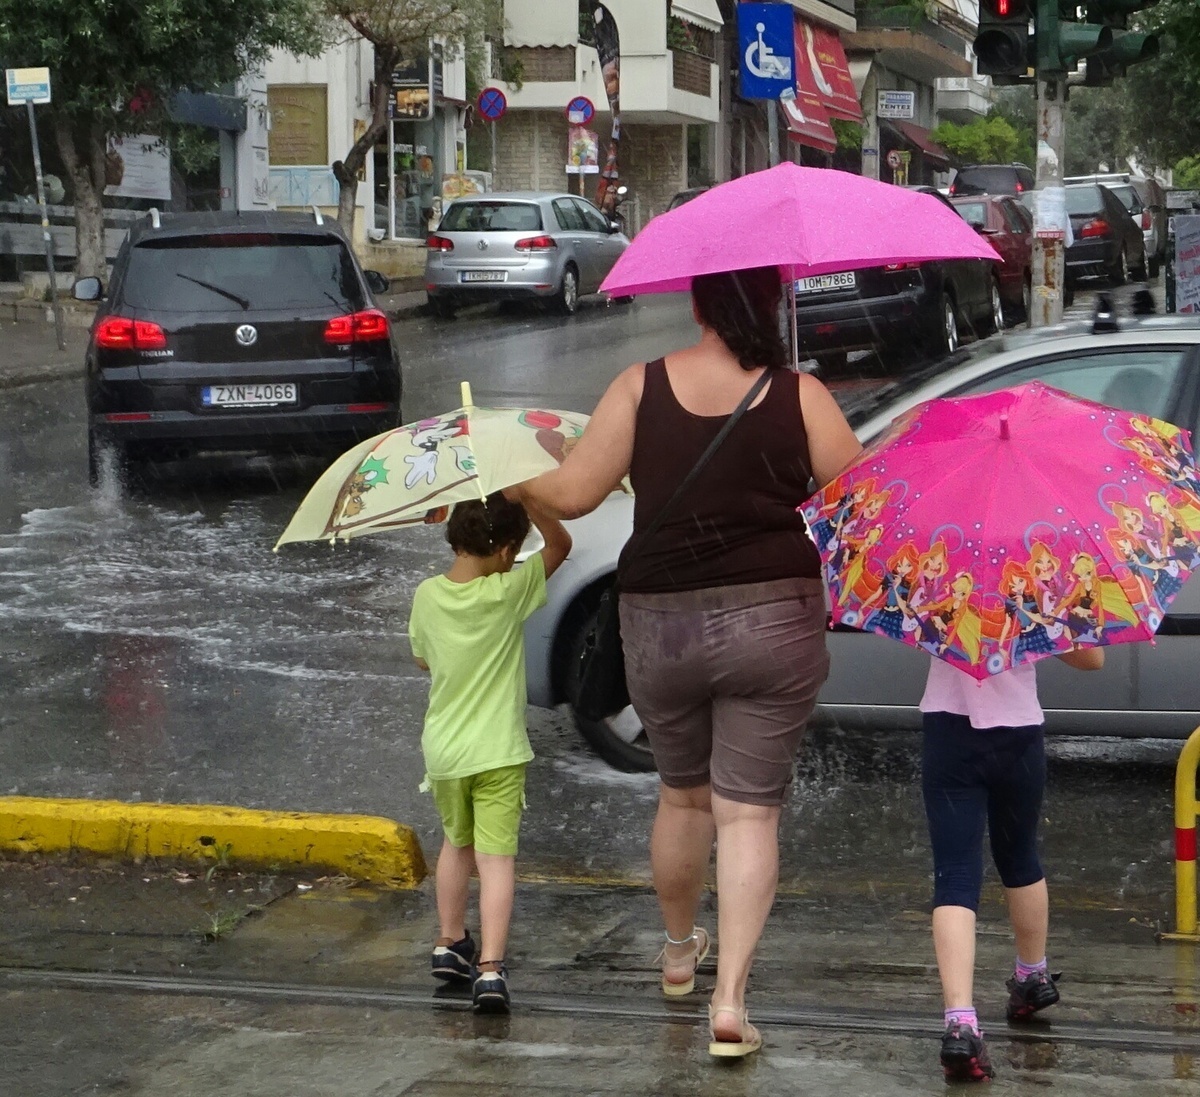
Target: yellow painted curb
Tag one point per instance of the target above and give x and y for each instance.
(362, 846)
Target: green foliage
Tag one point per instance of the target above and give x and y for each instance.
(1093, 137)
(990, 140)
(848, 134)
(1187, 173)
(105, 55)
(1018, 107)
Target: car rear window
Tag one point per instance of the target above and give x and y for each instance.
(1127, 197)
(492, 217)
(1084, 200)
(985, 181)
(267, 271)
(974, 213)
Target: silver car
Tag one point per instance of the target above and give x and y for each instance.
(522, 245)
(1152, 691)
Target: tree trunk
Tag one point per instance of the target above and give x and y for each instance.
(346, 171)
(82, 148)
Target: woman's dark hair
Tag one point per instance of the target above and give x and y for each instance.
(742, 307)
(482, 528)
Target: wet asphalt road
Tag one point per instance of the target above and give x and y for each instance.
(153, 647)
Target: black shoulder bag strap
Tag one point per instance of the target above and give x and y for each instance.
(601, 689)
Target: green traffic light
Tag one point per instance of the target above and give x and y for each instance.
(1128, 49)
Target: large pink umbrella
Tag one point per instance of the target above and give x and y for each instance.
(996, 530)
(806, 221)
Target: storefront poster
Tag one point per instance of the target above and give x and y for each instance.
(583, 151)
(464, 183)
(299, 124)
(137, 167)
(412, 91)
(1187, 263)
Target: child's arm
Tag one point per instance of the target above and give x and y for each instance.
(1089, 658)
(554, 534)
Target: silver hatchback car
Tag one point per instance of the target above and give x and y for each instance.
(520, 245)
(1150, 691)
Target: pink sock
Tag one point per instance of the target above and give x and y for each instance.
(1023, 970)
(963, 1017)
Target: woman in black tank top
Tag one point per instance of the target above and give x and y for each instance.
(722, 610)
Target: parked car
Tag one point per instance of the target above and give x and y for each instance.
(236, 331)
(1152, 691)
(991, 179)
(1107, 242)
(1008, 227)
(908, 311)
(681, 197)
(523, 245)
(1146, 202)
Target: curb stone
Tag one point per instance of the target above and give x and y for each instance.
(369, 848)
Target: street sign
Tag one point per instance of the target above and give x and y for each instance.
(580, 111)
(28, 86)
(492, 103)
(766, 50)
(893, 159)
(896, 104)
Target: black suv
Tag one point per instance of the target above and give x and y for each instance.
(237, 331)
(991, 179)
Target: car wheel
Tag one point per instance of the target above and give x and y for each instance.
(442, 308)
(567, 298)
(1119, 274)
(948, 336)
(619, 740)
(1139, 273)
(997, 320)
(1155, 266)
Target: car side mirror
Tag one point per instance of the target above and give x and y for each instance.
(377, 282)
(88, 289)
(614, 226)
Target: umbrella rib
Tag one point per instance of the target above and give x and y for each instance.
(368, 522)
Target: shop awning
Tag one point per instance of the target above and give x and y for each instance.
(918, 137)
(536, 23)
(821, 70)
(808, 124)
(704, 13)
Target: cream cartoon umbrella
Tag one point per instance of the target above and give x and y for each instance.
(410, 475)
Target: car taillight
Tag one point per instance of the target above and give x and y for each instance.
(536, 243)
(1020, 187)
(439, 243)
(891, 268)
(1146, 219)
(120, 333)
(359, 327)
(1097, 226)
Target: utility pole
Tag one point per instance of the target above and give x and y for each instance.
(1049, 244)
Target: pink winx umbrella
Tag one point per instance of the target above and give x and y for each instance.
(999, 529)
(806, 221)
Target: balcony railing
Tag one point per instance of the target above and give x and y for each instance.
(691, 72)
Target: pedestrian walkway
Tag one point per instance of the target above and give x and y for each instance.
(844, 989)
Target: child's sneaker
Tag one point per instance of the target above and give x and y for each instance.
(964, 1055)
(1028, 996)
(491, 990)
(454, 963)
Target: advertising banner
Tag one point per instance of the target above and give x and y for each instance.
(137, 167)
(583, 151)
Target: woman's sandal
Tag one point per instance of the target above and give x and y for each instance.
(689, 961)
(748, 1042)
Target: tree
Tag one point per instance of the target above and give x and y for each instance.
(396, 28)
(990, 140)
(115, 64)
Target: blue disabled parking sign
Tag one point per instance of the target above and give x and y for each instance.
(766, 50)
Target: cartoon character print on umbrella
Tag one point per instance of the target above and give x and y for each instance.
(428, 436)
(350, 500)
(549, 435)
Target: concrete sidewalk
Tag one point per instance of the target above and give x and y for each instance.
(29, 350)
(844, 989)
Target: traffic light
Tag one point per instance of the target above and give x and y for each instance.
(1061, 42)
(1002, 44)
(1127, 48)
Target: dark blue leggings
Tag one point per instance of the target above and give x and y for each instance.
(969, 776)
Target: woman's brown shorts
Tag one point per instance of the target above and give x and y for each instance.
(724, 680)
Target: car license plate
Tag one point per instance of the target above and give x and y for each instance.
(822, 283)
(242, 396)
(483, 276)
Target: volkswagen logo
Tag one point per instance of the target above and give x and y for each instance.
(246, 335)
(482, 245)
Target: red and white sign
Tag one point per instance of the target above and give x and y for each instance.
(822, 71)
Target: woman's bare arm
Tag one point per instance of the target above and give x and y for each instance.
(831, 443)
(1088, 658)
(598, 462)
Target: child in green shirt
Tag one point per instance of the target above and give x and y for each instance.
(467, 630)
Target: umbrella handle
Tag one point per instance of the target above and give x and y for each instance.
(465, 387)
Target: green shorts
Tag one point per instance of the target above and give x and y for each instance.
(483, 810)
